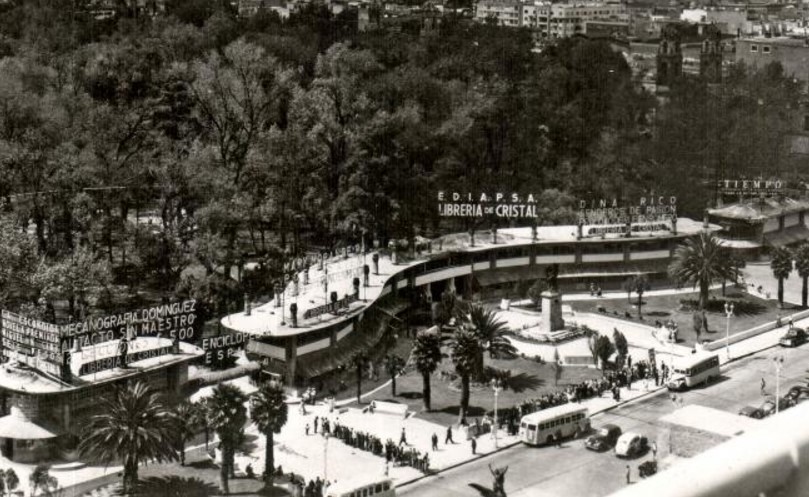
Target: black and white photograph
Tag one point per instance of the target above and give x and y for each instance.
(404, 248)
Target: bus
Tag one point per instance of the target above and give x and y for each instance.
(694, 370)
(547, 425)
(362, 486)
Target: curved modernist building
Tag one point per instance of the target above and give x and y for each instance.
(327, 329)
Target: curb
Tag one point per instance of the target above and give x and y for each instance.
(458, 464)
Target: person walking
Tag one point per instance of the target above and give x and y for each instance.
(435, 442)
(403, 438)
(474, 446)
(448, 439)
(307, 429)
(763, 386)
(558, 439)
(628, 475)
(654, 450)
(317, 418)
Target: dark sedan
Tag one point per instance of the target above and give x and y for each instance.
(793, 338)
(604, 438)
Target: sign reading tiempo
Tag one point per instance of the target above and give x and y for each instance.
(514, 205)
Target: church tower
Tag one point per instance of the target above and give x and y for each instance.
(669, 56)
(710, 55)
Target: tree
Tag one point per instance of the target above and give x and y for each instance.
(228, 416)
(697, 321)
(427, 356)
(628, 287)
(640, 283)
(41, 479)
(134, 426)
(269, 412)
(781, 265)
(490, 331)
(601, 348)
(10, 480)
(394, 366)
(186, 425)
(802, 267)
(621, 345)
(466, 353)
(701, 261)
(359, 362)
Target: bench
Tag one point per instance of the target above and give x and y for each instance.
(389, 408)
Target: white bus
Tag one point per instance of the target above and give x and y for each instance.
(694, 370)
(362, 486)
(547, 425)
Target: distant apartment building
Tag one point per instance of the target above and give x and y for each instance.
(792, 53)
(249, 8)
(546, 19)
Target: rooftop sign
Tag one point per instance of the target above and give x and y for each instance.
(505, 205)
(651, 209)
(754, 187)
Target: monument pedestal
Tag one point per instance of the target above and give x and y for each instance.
(552, 311)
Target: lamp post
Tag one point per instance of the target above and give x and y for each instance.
(496, 387)
(728, 313)
(778, 362)
(326, 459)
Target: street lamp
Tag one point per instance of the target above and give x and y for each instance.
(778, 362)
(728, 313)
(496, 387)
(326, 459)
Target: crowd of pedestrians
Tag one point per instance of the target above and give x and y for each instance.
(612, 382)
(401, 454)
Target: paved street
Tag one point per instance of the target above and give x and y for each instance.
(573, 470)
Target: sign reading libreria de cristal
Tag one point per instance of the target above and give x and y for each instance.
(27, 337)
(510, 205)
(651, 209)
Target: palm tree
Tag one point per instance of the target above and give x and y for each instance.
(359, 362)
(427, 356)
(701, 261)
(134, 425)
(781, 265)
(202, 413)
(802, 266)
(228, 415)
(640, 283)
(393, 366)
(40, 479)
(466, 353)
(490, 331)
(269, 412)
(10, 480)
(186, 425)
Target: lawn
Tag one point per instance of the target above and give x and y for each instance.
(749, 311)
(529, 379)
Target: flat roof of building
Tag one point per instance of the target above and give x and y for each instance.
(271, 320)
(778, 40)
(710, 420)
(25, 378)
(758, 210)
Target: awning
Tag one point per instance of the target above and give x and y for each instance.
(788, 236)
(17, 425)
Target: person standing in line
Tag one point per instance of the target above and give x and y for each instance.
(315, 425)
(474, 446)
(435, 442)
(448, 439)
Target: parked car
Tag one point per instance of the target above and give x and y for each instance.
(631, 444)
(768, 406)
(604, 438)
(793, 338)
(797, 394)
(751, 412)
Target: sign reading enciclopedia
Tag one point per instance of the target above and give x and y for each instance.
(651, 209)
(221, 348)
(507, 205)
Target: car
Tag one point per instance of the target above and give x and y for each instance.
(768, 406)
(797, 394)
(631, 444)
(751, 412)
(604, 438)
(793, 338)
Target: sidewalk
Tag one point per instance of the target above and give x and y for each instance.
(621, 294)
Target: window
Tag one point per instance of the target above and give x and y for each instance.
(364, 492)
(378, 488)
(765, 49)
(386, 486)
(754, 48)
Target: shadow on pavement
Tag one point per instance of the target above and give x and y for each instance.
(176, 486)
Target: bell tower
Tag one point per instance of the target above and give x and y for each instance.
(669, 56)
(710, 55)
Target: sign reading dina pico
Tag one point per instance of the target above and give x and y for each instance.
(651, 209)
